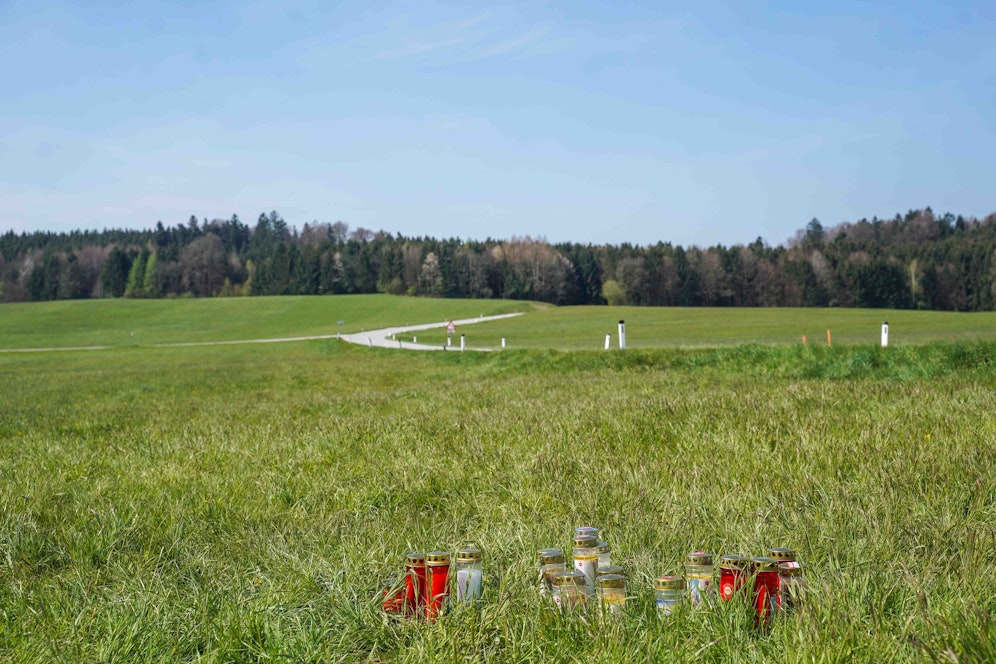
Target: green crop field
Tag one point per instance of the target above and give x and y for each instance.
(249, 503)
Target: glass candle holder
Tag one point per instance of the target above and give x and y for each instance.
(732, 576)
(669, 591)
(765, 589)
(698, 577)
(437, 590)
(550, 563)
(792, 586)
(469, 575)
(611, 589)
(569, 590)
(604, 554)
(414, 583)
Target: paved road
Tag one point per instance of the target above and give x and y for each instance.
(378, 338)
(382, 338)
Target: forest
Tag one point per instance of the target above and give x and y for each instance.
(917, 260)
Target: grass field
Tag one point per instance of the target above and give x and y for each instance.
(653, 327)
(147, 322)
(248, 503)
(119, 323)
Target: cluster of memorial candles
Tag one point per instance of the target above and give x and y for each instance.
(772, 584)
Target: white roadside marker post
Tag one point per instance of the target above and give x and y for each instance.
(503, 342)
(608, 341)
(622, 335)
(463, 341)
(885, 334)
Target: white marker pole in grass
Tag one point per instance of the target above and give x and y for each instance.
(449, 341)
(622, 335)
(414, 339)
(608, 341)
(399, 343)
(885, 334)
(503, 342)
(463, 341)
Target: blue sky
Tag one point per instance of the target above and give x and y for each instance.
(694, 123)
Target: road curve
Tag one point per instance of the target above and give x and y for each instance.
(382, 338)
(378, 338)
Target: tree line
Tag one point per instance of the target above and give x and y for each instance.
(916, 260)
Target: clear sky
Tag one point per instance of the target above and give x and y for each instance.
(695, 123)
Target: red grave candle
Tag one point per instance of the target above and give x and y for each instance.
(732, 575)
(437, 589)
(765, 589)
(415, 582)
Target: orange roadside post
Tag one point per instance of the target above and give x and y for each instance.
(828, 338)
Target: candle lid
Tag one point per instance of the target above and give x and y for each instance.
(611, 581)
(610, 569)
(469, 556)
(733, 561)
(568, 579)
(764, 564)
(791, 568)
(586, 531)
(603, 547)
(415, 558)
(699, 558)
(585, 542)
(670, 583)
(551, 556)
(437, 558)
(782, 554)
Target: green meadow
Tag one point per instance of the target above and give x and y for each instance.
(579, 328)
(250, 503)
(146, 322)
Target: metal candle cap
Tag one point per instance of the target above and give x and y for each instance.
(611, 581)
(568, 579)
(790, 569)
(415, 558)
(551, 556)
(764, 564)
(782, 554)
(586, 531)
(583, 542)
(670, 583)
(603, 547)
(732, 561)
(699, 558)
(437, 558)
(469, 556)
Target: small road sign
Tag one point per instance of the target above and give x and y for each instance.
(450, 327)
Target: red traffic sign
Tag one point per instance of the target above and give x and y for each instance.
(451, 327)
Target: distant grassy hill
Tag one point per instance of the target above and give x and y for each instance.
(654, 327)
(112, 322)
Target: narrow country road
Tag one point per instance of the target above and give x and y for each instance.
(382, 338)
(378, 338)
